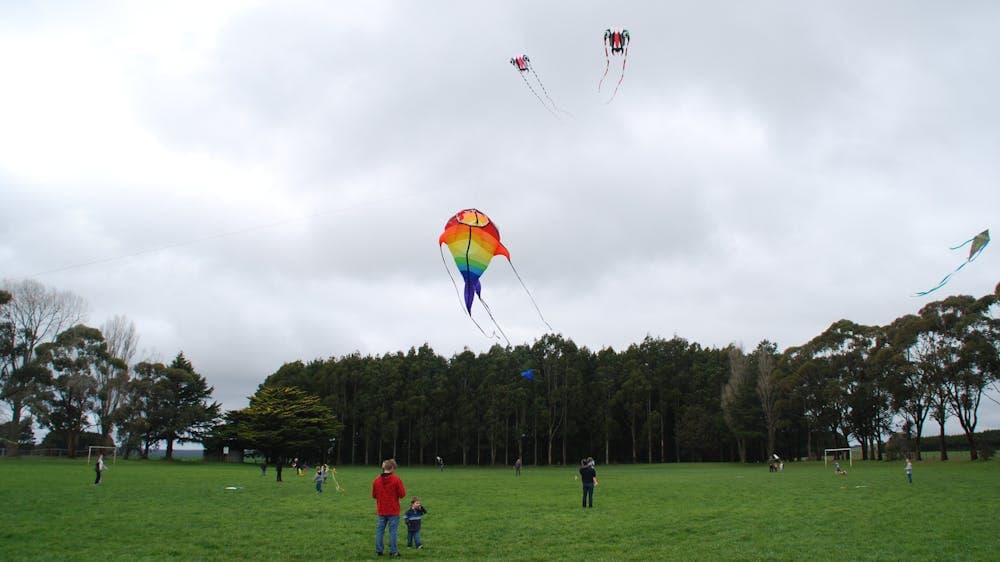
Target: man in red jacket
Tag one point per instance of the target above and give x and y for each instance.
(387, 489)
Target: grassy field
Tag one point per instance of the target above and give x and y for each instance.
(162, 510)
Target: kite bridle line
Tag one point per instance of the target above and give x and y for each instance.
(525, 287)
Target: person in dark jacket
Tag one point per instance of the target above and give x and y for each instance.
(413, 517)
(588, 476)
(387, 490)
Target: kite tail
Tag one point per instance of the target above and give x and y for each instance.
(966, 243)
(544, 91)
(525, 287)
(620, 78)
(607, 65)
(943, 281)
(490, 312)
(461, 302)
(339, 487)
(540, 100)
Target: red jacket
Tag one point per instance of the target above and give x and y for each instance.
(387, 489)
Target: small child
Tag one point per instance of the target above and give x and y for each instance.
(412, 518)
(837, 470)
(318, 479)
(909, 470)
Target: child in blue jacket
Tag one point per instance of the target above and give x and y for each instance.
(413, 517)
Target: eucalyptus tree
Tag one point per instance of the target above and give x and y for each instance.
(634, 395)
(464, 378)
(33, 315)
(912, 391)
(422, 367)
(606, 380)
(554, 355)
(965, 335)
(113, 374)
(134, 420)
(853, 383)
(75, 359)
(768, 389)
(739, 411)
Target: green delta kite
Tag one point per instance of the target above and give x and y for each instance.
(978, 242)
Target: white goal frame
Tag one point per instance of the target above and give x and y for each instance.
(826, 453)
(114, 452)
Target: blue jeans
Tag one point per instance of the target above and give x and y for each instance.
(413, 538)
(392, 521)
(588, 494)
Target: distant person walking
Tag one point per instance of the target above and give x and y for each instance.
(318, 479)
(517, 467)
(440, 463)
(588, 476)
(387, 490)
(277, 468)
(909, 470)
(99, 468)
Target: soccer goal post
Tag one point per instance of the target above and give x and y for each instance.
(827, 453)
(97, 450)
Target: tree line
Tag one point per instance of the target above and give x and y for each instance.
(658, 400)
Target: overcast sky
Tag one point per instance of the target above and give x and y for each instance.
(256, 183)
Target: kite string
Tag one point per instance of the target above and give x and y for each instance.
(525, 287)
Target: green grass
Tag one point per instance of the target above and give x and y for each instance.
(161, 510)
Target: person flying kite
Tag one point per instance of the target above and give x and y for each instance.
(473, 239)
(979, 243)
(616, 40)
(523, 65)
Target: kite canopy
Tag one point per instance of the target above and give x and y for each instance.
(529, 374)
(473, 240)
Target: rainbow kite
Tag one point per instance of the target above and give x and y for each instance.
(473, 240)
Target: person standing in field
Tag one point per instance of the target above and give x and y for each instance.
(588, 476)
(318, 479)
(277, 468)
(99, 468)
(517, 467)
(387, 490)
(909, 470)
(413, 517)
